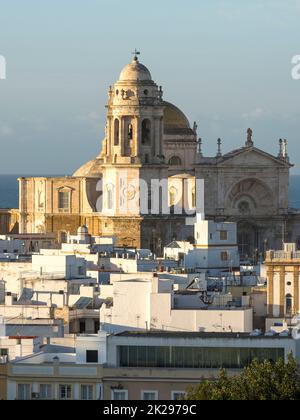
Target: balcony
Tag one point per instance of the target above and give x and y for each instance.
(283, 256)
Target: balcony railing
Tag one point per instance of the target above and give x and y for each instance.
(282, 255)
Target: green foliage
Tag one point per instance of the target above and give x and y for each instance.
(259, 381)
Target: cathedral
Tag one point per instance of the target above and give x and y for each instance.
(147, 139)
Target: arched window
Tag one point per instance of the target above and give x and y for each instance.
(146, 132)
(117, 132)
(130, 132)
(244, 207)
(289, 304)
(175, 161)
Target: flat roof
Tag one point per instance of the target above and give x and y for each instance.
(204, 335)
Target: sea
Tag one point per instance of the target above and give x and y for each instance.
(9, 191)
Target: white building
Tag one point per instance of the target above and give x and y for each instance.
(153, 304)
(216, 247)
(177, 250)
(59, 372)
(138, 365)
(12, 348)
(10, 247)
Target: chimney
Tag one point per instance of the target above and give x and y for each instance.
(9, 299)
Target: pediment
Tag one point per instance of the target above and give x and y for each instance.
(252, 157)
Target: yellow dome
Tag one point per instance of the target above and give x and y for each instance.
(135, 71)
(91, 169)
(174, 118)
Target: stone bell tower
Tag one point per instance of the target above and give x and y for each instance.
(134, 128)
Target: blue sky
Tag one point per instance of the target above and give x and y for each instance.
(225, 63)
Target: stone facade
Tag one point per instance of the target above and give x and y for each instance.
(283, 283)
(147, 138)
(9, 221)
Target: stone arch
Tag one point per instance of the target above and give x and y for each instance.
(249, 196)
(288, 304)
(146, 132)
(116, 132)
(175, 161)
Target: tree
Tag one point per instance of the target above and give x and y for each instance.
(258, 381)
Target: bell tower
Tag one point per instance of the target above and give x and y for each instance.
(134, 127)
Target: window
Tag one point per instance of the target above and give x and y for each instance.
(92, 356)
(87, 392)
(63, 237)
(289, 304)
(116, 132)
(130, 132)
(194, 199)
(64, 200)
(45, 392)
(149, 395)
(3, 352)
(23, 392)
(82, 327)
(119, 395)
(65, 392)
(223, 235)
(175, 161)
(146, 132)
(224, 256)
(177, 395)
(244, 207)
(194, 357)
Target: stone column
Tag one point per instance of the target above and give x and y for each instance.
(296, 290)
(161, 135)
(270, 294)
(282, 291)
(137, 136)
(153, 137)
(156, 134)
(122, 137)
(109, 136)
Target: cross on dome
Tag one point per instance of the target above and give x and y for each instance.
(136, 53)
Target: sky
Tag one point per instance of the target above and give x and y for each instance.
(225, 63)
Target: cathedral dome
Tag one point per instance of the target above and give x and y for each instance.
(175, 120)
(91, 169)
(135, 71)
